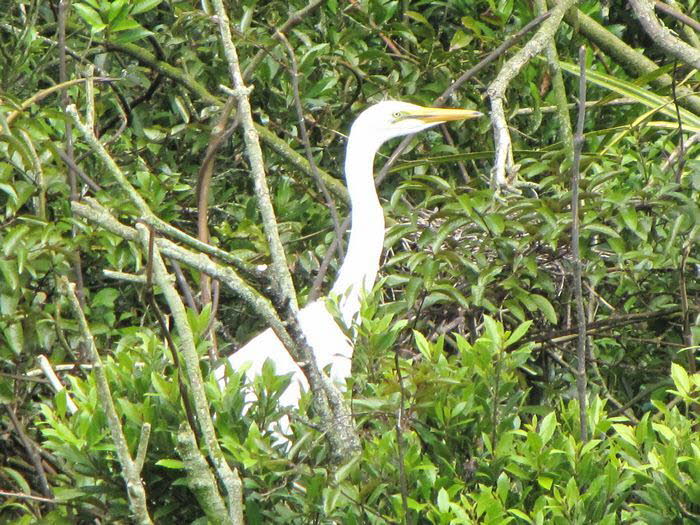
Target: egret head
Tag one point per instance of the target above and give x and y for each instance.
(391, 118)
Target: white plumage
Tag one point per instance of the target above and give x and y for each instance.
(373, 127)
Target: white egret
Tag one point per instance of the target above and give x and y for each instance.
(373, 127)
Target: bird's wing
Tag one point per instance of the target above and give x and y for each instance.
(329, 343)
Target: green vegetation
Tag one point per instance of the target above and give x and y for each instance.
(464, 387)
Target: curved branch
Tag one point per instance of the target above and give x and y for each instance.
(659, 33)
(631, 60)
(504, 168)
(278, 145)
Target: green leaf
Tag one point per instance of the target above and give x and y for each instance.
(601, 228)
(680, 379)
(520, 514)
(493, 330)
(424, 346)
(105, 297)
(116, 8)
(518, 333)
(125, 25)
(547, 427)
(626, 433)
(142, 6)
(443, 501)
(545, 482)
(460, 39)
(91, 17)
(171, 463)
(545, 307)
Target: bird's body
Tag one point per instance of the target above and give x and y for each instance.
(373, 127)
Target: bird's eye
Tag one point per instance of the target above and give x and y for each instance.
(398, 115)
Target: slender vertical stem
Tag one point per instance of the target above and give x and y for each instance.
(283, 278)
(63, 9)
(581, 380)
(134, 486)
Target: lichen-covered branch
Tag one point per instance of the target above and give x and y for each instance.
(631, 60)
(147, 214)
(93, 211)
(504, 167)
(229, 478)
(280, 269)
(200, 479)
(134, 487)
(661, 36)
(328, 401)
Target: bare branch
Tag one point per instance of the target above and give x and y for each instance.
(504, 167)
(659, 33)
(282, 276)
(581, 378)
(134, 487)
(681, 17)
(56, 382)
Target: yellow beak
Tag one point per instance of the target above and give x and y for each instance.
(433, 115)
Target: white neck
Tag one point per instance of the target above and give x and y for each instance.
(361, 265)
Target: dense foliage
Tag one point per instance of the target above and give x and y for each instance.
(464, 377)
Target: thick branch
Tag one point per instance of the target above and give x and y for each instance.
(503, 164)
(659, 33)
(631, 60)
(282, 276)
(229, 478)
(134, 488)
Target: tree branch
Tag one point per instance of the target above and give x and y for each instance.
(581, 378)
(229, 478)
(135, 490)
(504, 167)
(659, 33)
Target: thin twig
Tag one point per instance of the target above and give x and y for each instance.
(681, 17)
(63, 10)
(184, 286)
(327, 258)
(575, 229)
(31, 449)
(218, 136)
(681, 138)
(67, 157)
(21, 495)
(199, 91)
(682, 284)
(294, 19)
(330, 203)
(41, 95)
